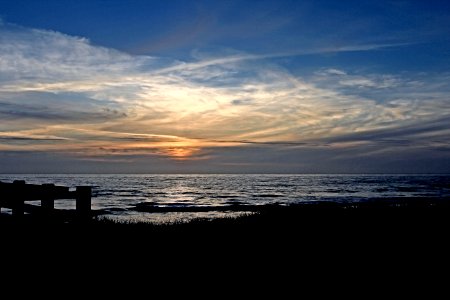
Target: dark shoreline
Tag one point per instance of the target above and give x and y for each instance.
(364, 236)
(386, 216)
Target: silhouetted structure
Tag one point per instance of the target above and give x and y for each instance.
(14, 195)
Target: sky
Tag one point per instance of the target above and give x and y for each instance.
(235, 86)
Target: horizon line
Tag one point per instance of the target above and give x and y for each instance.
(231, 173)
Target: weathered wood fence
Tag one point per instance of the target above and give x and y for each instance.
(14, 195)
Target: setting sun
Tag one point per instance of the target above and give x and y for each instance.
(181, 153)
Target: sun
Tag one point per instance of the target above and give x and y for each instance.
(181, 153)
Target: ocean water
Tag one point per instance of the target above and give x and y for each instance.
(117, 196)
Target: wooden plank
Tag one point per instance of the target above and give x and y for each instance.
(30, 192)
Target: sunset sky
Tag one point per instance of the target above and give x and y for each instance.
(224, 86)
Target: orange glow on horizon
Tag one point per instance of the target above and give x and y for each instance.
(182, 150)
(181, 153)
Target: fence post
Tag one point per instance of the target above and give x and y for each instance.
(83, 202)
(48, 200)
(18, 204)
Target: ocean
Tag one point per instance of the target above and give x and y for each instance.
(192, 196)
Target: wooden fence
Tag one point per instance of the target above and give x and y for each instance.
(15, 195)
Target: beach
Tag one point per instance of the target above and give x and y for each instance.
(240, 217)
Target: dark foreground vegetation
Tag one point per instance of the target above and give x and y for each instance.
(320, 241)
(378, 221)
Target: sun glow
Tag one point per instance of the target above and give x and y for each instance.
(177, 150)
(181, 153)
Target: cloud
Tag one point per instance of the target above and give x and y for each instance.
(241, 102)
(414, 134)
(41, 54)
(358, 82)
(22, 136)
(336, 79)
(62, 90)
(230, 59)
(330, 71)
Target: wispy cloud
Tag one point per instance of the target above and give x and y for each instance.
(245, 57)
(59, 90)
